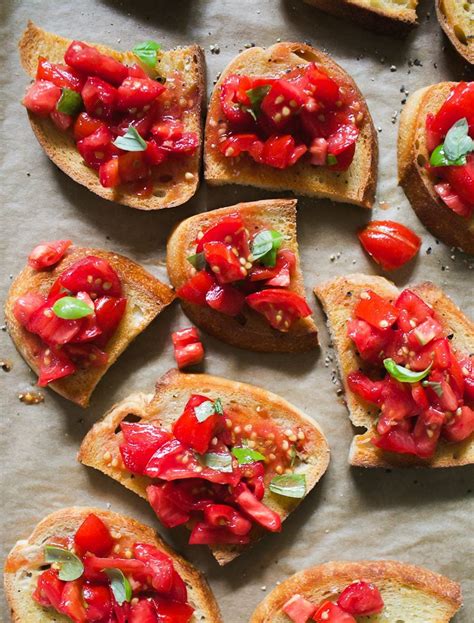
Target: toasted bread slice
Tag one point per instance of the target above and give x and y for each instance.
(387, 17)
(61, 148)
(23, 565)
(339, 298)
(356, 185)
(412, 594)
(171, 394)
(146, 298)
(457, 20)
(413, 154)
(252, 331)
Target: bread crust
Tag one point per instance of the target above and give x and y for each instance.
(146, 298)
(339, 306)
(325, 581)
(465, 51)
(24, 557)
(253, 332)
(356, 186)
(413, 154)
(171, 394)
(396, 23)
(61, 148)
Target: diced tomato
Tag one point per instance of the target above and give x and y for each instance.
(190, 431)
(167, 130)
(390, 244)
(127, 565)
(96, 148)
(280, 307)
(330, 612)
(60, 75)
(319, 151)
(162, 502)
(223, 515)
(280, 275)
(343, 139)
(154, 154)
(189, 355)
(184, 146)
(396, 440)
(236, 144)
(48, 254)
(142, 612)
(427, 432)
(51, 328)
(325, 88)
(53, 365)
(419, 396)
(397, 404)
(460, 425)
(49, 589)
(369, 341)
(133, 167)
(109, 311)
(458, 104)
(233, 96)
(425, 332)
(461, 179)
(451, 199)
(93, 536)
(229, 229)
(171, 612)
(158, 565)
(138, 92)
(361, 599)
(436, 353)
(86, 355)
(223, 262)
(142, 440)
(109, 175)
(41, 97)
(71, 602)
(99, 97)
(282, 102)
(196, 288)
(260, 513)
(281, 152)
(299, 609)
(225, 299)
(447, 400)
(203, 534)
(92, 274)
(186, 336)
(26, 306)
(365, 388)
(413, 310)
(61, 120)
(90, 61)
(344, 159)
(376, 310)
(98, 602)
(85, 125)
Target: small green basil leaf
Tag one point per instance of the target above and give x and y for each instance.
(218, 461)
(71, 308)
(265, 246)
(439, 159)
(218, 408)
(403, 374)
(247, 455)
(197, 260)
(70, 566)
(256, 97)
(130, 141)
(289, 485)
(147, 52)
(435, 386)
(331, 159)
(70, 102)
(120, 585)
(457, 142)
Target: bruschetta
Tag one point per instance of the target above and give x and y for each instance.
(407, 366)
(72, 311)
(348, 592)
(229, 460)
(237, 273)
(87, 564)
(387, 17)
(289, 118)
(436, 160)
(457, 20)
(126, 125)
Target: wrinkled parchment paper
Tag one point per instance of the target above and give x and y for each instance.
(419, 516)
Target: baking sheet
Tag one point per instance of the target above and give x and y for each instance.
(418, 516)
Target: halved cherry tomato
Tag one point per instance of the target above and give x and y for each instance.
(90, 61)
(48, 254)
(223, 262)
(225, 299)
(190, 431)
(375, 310)
(361, 599)
(41, 97)
(196, 288)
(92, 274)
(299, 609)
(93, 536)
(389, 244)
(330, 612)
(60, 75)
(280, 307)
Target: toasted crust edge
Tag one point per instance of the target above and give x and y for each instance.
(72, 517)
(61, 149)
(466, 52)
(344, 572)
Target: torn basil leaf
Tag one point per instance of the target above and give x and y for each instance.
(70, 566)
(147, 53)
(218, 461)
(120, 585)
(70, 102)
(265, 246)
(404, 375)
(289, 485)
(130, 141)
(197, 260)
(435, 386)
(458, 143)
(71, 308)
(246, 455)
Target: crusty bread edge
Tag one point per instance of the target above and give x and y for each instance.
(466, 52)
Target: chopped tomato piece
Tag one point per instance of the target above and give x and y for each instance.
(222, 515)
(26, 306)
(223, 262)
(109, 175)
(71, 602)
(53, 365)
(162, 502)
(133, 166)
(299, 609)
(280, 275)
(413, 310)
(330, 612)
(109, 311)
(154, 154)
(98, 600)
(49, 589)
(51, 328)
(389, 244)
(325, 88)
(396, 440)
(281, 152)
(142, 440)
(203, 534)
(319, 151)
(230, 230)
(236, 144)
(361, 599)
(427, 432)
(138, 92)
(171, 612)
(460, 425)
(93, 536)
(458, 104)
(369, 341)
(190, 431)
(343, 139)
(375, 310)
(41, 97)
(233, 97)
(260, 513)
(90, 61)
(225, 299)
(92, 274)
(60, 75)
(96, 148)
(183, 337)
(461, 179)
(85, 125)
(99, 97)
(282, 102)
(280, 307)
(436, 353)
(189, 355)
(142, 612)
(424, 333)
(157, 564)
(196, 288)
(366, 388)
(452, 200)
(397, 404)
(48, 254)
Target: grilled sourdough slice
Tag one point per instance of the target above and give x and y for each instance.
(100, 448)
(23, 565)
(61, 148)
(411, 594)
(413, 155)
(356, 185)
(456, 18)
(387, 17)
(146, 298)
(339, 298)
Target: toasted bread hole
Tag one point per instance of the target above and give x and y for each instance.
(306, 55)
(460, 34)
(421, 160)
(417, 144)
(131, 417)
(455, 456)
(159, 193)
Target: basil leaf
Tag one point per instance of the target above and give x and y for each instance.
(247, 455)
(70, 102)
(218, 408)
(120, 585)
(457, 142)
(331, 159)
(403, 374)
(289, 485)
(439, 159)
(130, 141)
(218, 461)
(435, 386)
(70, 566)
(147, 52)
(71, 308)
(265, 246)
(197, 260)
(208, 408)
(256, 97)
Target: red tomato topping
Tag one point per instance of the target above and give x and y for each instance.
(280, 307)
(49, 589)
(225, 299)
(203, 534)
(229, 229)
(48, 254)
(223, 263)
(53, 365)
(98, 601)
(85, 125)
(299, 609)
(138, 92)
(389, 244)
(171, 612)
(60, 75)
(361, 599)
(93, 536)
(71, 602)
(142, 440)
(195, 290)
(375, 310)
(189, 355)
(190, 431)
(260, 513)
(168, 512)
(42, 97)
(94, 275)
(90, 61)
(329, 612)
(97, 147)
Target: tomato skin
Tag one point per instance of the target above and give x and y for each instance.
(161, 500)
(299, 609)
(458, 104)
(51, 328)
(260, 513)
(109, 311)
(452, 200)
(460, 426)
(171, 612)
(71, 602)
(396, 440)
(190, 431)
(133, 167)
(330, 612)
(90, 61)
(186, 336)
(390, 244)
(53, 365)
(48, 254)
(289, 307)
(41, 97)
(223, 515)
(100, 98)
(98, 600)
(93, 536)
(369, 390)
(369, 341)
(195, 289)
(189, 355)
(361, 599)
(375, 310)
(96, 147)
(229, 229)
(141, 441)
(60, 75)
(225, 299)
(109, 175)
(138, 92)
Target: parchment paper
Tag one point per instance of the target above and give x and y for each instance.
(418, 516)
